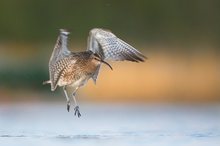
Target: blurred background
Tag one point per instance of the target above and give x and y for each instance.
(171, 98)
(180, 39)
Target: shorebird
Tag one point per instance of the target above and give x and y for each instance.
(72, 70)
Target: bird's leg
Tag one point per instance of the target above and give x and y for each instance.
(76, 109)
(67, 98)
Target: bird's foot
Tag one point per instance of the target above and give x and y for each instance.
(76, 109)
(68, 106)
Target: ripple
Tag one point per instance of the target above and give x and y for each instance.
(10, 136)
(78, 136)
(201, 135)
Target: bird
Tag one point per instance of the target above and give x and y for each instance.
(72, 70)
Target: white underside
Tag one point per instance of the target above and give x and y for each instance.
(78, 83)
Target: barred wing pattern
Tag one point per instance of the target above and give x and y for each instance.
(56, 70)
(110, 47)
(58, 59)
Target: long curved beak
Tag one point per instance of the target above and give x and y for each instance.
(106, 64)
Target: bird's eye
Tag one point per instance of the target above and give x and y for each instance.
(96, 58)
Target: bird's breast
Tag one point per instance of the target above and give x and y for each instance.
(80, 82)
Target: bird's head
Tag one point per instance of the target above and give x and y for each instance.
(96, 57)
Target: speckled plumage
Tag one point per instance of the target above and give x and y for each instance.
(69, 69)
(74, 69)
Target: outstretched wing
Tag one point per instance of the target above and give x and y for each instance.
(60, 49)
(110, 47)
(58, 57)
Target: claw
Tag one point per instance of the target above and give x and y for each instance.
(68, 106)
(77, 112)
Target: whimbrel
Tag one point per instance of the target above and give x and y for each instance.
(73, 69)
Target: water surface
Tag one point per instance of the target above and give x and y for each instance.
(107, 125)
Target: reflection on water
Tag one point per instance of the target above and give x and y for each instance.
(127, 125)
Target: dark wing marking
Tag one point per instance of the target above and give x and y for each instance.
(110, 47)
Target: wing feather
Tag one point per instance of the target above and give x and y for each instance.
(94, 77)
(110, 47)
(58, 59)
(60, 49)
(56, 71)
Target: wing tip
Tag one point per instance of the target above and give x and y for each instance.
(143, 56)
(64, 31)
(46, 82)
(136, 57)
(53, 88)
